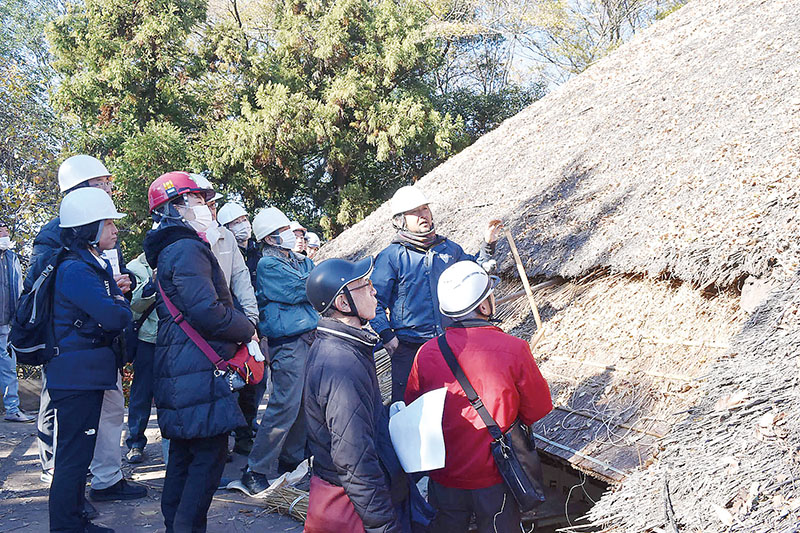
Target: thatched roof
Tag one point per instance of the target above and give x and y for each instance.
(733, 464)
(676, 155)
(653, 184)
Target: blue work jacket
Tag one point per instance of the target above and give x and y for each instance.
(405, 278)
(283, 307)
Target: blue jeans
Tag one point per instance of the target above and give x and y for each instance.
(8, 374)
(141, 397)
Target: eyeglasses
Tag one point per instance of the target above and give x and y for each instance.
(368, 283)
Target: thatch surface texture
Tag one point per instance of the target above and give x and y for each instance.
(734, 464)
(625, 359)
(677, 154)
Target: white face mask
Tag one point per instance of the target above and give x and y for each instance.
(5, 243)
(241, 231)
(288, 239)
(202, 218)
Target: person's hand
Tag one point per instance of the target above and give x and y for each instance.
(255, 336)
(391, 346)
(123, 282)
(493, 230)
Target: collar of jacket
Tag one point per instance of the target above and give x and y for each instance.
(411, 246)
(89, 258)
(360, 337)
(472, 323)
(158, 239)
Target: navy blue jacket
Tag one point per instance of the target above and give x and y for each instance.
(192, 402)
(348, 425)
(87, 318)
(405, 278)
(47, 243)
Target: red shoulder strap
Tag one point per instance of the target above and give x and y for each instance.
(187, 328)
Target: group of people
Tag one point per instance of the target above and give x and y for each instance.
(231, 281)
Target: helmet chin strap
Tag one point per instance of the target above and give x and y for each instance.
(99, 234)
(353, 309)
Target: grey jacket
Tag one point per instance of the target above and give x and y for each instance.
(230, 259)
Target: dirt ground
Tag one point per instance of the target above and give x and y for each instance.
(23, 499)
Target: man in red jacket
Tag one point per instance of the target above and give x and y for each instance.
(501, 369)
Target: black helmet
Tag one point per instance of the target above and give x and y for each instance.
(328, 279)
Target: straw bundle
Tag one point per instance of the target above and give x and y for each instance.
(289, 501)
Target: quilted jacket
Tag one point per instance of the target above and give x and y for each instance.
(348, 425)
(192, 402)
(502, 371)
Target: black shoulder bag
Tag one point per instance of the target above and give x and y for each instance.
(514, 451)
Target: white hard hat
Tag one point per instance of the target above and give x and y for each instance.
(462, 287)
(407, 198)
(79, 168)
(295, 226)
(230, 212)
(313, 239)
(267, 221)
(204, 184)
(86, 205)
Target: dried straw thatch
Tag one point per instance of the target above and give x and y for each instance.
(651, 186)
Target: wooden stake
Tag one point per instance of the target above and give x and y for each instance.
(524, 277)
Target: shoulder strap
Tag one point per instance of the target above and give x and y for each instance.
(472, 396)
(144, 316)
(198, 339)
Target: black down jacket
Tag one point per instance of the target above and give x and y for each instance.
(191, 401)
(348, 426)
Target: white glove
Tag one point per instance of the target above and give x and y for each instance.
(255, 351)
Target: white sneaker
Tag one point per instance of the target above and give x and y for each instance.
(19, 416)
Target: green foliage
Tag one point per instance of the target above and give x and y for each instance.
(340, 94)
(32, 135)
(158, 148)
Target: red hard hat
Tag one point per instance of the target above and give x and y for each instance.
(169, 186)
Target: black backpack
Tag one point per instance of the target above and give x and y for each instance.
(32, 337)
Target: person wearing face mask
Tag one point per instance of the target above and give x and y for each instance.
(300, 237)
(312, 244)
(357, 483)
(89, 312)
(10, 289)
(197, 409)
(288, 320)
(234, 217)
(406, 273)
(225, 247)
(502, 370)
(80, 172)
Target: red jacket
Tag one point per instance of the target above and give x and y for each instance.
(502, 371)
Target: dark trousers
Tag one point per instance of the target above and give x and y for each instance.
(250, 397)
(193, 472)
(402, 359)
(77, 415)
(494, 508)
(141, 398)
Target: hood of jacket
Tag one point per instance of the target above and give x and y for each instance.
(158, 239)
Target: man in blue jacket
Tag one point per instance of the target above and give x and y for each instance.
(288, 320)
(10, 289)
(406, 274)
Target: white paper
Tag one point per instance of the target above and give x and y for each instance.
(416, 432)
(112, 256)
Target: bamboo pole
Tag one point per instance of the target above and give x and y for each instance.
(524, 277)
